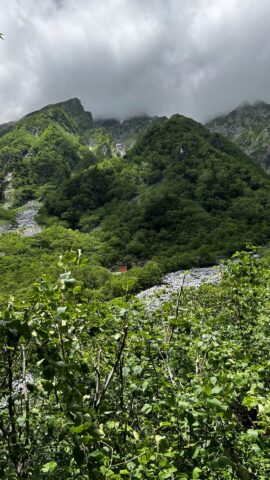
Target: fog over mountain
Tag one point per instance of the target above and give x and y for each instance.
(128, 57)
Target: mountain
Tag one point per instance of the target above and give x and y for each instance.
(94, 386)
(70, 115)
(45, 147)
(145, 188)
(181, 195)
(249, 127)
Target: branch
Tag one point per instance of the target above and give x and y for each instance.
(97, 369)
(112, 372)
(11, 411)
(26, 398)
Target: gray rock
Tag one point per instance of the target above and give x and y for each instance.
(157, 296)
(25, 224)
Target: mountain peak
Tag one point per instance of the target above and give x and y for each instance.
(247, 105)
(73, 107)
(243, 105)
(70, 105)
(248, 126)
(259, 103)
(70, 114)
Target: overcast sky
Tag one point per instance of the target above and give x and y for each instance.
(200, 58)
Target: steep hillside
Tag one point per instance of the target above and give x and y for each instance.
(182, 195)
(249, 127)
(44, 148)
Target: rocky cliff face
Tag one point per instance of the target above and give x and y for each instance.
(125, 133)
(248, 126)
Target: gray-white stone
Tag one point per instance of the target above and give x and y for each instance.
(157, 296)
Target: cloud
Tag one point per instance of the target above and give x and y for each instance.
(126, 57)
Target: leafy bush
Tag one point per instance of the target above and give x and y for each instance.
(111, 391)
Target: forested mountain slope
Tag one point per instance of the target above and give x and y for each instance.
(249, 127)
(37, 155)
(45, 147)
(181, 195)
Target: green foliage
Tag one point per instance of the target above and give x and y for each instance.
(23, 260)
(7, 215)
(101, 143)
(111, 391)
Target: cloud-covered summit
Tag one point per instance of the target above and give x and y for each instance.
(127, 57)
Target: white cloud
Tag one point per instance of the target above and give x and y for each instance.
(124, 57)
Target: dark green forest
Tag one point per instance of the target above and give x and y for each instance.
(181, 196)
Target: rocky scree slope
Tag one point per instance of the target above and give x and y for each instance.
(249, 127)
(25, 220)
(172, 283)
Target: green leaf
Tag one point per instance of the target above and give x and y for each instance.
(253, 435)
(80, 428)
(196, 473)
(146, 408)
(49, 467)
(61, 310)
(162, 443)
(136, 435)
(167, 473)
(183, 406)
(215, 404)
(221, 462)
